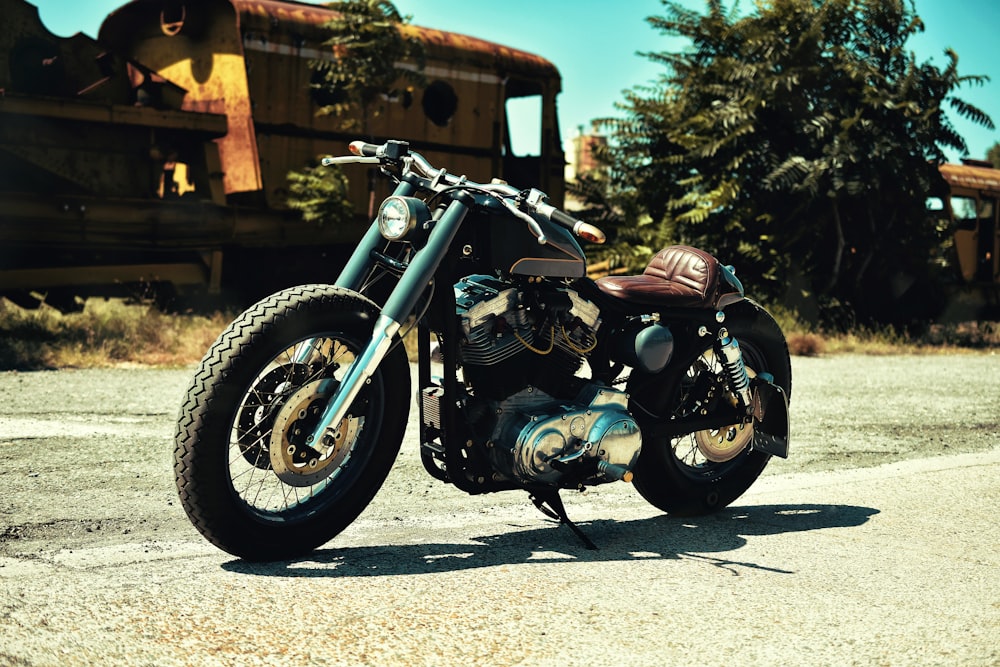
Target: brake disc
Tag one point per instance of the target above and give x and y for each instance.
(295, 462)
(256, 416)
(723, 444)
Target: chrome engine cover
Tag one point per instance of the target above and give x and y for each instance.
(534, 431)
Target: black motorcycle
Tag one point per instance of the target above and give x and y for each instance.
(529, 374)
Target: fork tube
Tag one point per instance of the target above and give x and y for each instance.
(425, 262)
(360, 264)
(399, 304)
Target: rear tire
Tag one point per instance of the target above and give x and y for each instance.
(261, 387)
(695, 474)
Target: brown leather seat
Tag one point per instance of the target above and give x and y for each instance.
(679, 276)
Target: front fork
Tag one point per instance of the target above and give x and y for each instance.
(398, 306)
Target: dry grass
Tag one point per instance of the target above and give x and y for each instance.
(937, 339)
(106, 333)
(113, 333)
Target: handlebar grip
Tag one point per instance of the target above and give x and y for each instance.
(364, 149)
(584, 230)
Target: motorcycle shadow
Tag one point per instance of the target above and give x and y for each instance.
(659, 537)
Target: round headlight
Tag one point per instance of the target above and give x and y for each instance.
(399, 215)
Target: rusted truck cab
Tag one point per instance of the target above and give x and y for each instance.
(155, 158)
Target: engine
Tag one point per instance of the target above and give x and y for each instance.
(522, 348)
(592, 440)
(520, 335)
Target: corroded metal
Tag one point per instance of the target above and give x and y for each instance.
(973, 177)
(174, 133)
(302, 20)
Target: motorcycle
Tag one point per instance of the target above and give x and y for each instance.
(529, 375)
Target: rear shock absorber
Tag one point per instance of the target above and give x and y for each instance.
(728, 350)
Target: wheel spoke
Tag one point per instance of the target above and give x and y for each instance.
(269, 416)
(701, 453)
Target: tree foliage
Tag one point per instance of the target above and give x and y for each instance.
(369, 46)
(993, 155)
(320, 194)
(632, 235)
(798, 142)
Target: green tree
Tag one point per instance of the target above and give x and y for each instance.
(368, 44)
(320, 194)
(799, 143)
(632, 235)
(993, 155)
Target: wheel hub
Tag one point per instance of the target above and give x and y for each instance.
(719, 445)
(256, 415)
(293, 460)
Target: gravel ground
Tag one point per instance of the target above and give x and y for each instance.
(875, 543)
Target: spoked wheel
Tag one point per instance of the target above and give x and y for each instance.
(249, 476)
(704, 471)
(275, 422)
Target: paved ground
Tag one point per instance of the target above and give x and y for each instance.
(820, 563)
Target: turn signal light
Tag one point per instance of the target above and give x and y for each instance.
(588, 232)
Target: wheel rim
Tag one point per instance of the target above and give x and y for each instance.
(708, 453)
(271, 470)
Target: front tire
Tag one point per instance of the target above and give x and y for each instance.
(702, 472)
(245, 474)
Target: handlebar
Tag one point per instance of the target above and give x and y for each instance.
(364, 149)
(397, 153)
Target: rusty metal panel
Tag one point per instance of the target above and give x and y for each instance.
(199, 49)
(251, 60)
(971, 177)
(293, 18)
(280, 40)
(212, 125)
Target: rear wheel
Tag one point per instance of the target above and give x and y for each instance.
(247, 476)
(701, 472)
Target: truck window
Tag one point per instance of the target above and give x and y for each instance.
(524, 123)
(964, 210)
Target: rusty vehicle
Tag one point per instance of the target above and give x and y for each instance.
(969, 204)
(973, 194)
(155, 159)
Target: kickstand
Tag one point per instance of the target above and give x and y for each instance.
(551, 505)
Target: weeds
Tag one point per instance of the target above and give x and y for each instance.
(807, 341)
(105, 333)
(113, 333)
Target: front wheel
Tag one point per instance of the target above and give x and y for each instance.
(247, 477)
(701, 472)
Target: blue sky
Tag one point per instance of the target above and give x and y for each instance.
(594, 43)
